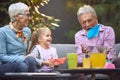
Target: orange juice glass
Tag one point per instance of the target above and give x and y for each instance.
(86, 62)
(98, 60)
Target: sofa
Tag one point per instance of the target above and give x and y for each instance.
(63, 49)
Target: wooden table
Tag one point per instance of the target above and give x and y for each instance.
(110, 72)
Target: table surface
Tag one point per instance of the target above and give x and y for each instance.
(110, 72)
(37, 76)
(90, 70)
(65, 74)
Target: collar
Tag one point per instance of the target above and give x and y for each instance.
(84, 32)
(19, 33)
(13, 28)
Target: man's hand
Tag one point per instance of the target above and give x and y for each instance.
(84, 50)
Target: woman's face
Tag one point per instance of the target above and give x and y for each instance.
(23, 19)
(87, 20)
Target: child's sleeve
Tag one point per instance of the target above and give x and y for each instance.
(35, 53)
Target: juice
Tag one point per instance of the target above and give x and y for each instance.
(72, 60)
(86, 62)
(98, 60)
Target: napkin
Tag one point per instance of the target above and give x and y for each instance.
(93, 32)
(59, 60)
(109, 65)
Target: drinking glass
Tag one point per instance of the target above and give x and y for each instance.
(72, 59)
(98, 56)
(98, 60)
(86, 63)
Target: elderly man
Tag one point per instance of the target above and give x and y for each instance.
(93, 33)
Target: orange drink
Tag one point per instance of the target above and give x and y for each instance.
(86, 62)
(98, 60)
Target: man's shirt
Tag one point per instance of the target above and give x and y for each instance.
(106, 37)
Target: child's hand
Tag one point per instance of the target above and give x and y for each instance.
(48, 63)
(56, 64)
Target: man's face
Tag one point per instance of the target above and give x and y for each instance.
(87, 20)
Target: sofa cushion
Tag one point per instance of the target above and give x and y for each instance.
(62, 50)
(117, 47)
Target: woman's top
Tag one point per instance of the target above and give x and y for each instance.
(12, 49)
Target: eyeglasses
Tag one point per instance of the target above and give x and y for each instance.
(28, 15)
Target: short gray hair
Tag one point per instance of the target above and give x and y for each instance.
(86, 9)
(16, 8)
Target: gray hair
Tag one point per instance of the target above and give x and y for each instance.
(16, 8)
(85, 9)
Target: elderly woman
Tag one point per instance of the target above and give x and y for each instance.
(14, 40)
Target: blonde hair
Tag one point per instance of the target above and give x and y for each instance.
(36, 35)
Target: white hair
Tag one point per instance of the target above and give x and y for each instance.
(16, 8)
(85, 9)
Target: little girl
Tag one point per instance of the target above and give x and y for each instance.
(42, 51)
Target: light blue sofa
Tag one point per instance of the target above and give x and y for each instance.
(63, 49)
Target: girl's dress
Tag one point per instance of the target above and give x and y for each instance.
(42, 54)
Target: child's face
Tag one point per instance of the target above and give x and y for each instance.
(46, 38)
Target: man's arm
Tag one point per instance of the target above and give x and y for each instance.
(109, 42)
